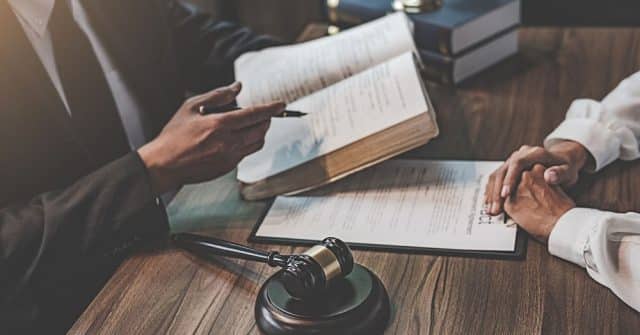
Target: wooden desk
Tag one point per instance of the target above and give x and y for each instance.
(515, 103)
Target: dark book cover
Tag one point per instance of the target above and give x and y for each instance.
(434, 31)
(442, 68)
(353, 12)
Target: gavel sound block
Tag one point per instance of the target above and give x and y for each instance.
(320, 291)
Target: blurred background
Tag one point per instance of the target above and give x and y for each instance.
(286, 18)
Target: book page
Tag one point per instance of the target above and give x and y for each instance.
(339, 115)
(408, 203)
(290, 72)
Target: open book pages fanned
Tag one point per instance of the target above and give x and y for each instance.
(365, 100)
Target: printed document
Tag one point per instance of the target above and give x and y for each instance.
(407, 203)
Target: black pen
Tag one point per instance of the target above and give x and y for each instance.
(231, 107)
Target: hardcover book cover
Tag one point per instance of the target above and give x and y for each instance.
(449, 30)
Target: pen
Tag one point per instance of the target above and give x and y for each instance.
(231, 107)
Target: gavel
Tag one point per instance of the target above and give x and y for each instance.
(304, 276)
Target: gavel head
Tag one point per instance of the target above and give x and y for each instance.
(311, 273)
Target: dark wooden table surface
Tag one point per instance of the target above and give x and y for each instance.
(517, 102)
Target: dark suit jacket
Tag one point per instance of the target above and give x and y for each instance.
(66, 220)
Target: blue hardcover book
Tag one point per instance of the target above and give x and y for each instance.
(450, 30)
(453, 70)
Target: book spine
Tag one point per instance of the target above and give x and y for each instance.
(433, 38)
(437, 67)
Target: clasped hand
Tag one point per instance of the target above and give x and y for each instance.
(528, 186)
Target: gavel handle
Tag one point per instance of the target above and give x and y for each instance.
(214, 246)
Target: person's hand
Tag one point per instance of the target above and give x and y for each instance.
(537, 206)
(194, 148)
(564, 160)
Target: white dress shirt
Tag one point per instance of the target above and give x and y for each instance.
(34, 17)
(606, 243)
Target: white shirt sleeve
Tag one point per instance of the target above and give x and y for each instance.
(609, 129)
(607, 244)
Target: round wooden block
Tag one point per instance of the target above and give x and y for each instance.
(356, 305)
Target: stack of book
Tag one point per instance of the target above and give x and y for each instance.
(455, 41)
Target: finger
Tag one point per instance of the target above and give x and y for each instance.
(526, 180)
(517, 164)
(538, 170)
(220, 96)
(255, 133)
(521, 161)
(248, 117)
(249, 149)
(496, 198)
(509, 205)
(559, 175)
(488, 191)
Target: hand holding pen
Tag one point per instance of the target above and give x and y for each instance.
(194, 148)
(204, 110)
(209, 109)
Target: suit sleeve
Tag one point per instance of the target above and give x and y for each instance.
(206, 48)
(61, 246)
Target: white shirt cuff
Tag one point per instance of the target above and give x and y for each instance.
(571, 233)
(601, 142)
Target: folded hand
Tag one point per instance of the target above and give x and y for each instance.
(537, 206)
(564, 161)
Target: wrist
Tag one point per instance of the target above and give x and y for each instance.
(557, 217)
(574, 153)
(571, 233)
(160, 180)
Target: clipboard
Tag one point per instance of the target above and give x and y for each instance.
(518, 254)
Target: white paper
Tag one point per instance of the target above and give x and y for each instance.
(339, 115)
(291, 72)
(411, 203)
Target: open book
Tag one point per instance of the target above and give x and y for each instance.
(365, 102)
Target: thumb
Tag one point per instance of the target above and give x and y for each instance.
(560, 175)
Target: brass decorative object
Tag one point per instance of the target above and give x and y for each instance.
(332, 6)
(416, 6)
(332, 30)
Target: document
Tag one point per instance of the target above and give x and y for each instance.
(291, 72)
(399, 203)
